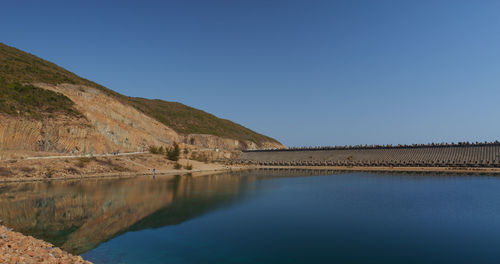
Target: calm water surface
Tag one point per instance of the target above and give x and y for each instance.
(265, 217)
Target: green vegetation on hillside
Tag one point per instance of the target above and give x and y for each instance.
(34, 102)
(188, 120)
(174, 152)
(17, 66)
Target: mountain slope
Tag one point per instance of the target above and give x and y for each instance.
(17, 66)
(188, 120)
(32, 101)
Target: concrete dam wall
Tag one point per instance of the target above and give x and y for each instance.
(471, 155)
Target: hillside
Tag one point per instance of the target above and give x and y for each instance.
(22, 74)
(188, 120)
(34, 102)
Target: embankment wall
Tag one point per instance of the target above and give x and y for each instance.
(486, 155)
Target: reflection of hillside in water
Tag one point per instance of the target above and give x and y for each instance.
(79, 215)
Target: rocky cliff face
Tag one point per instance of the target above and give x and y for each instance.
(53, 135)
(212, 142)
(120, 124)
(108, 125)
(73, 115)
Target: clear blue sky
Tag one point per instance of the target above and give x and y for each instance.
(305, 72)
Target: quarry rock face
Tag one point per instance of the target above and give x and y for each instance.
(120, 124)
(53, 135)
(46, 109)
(212, 142)
(108, 125)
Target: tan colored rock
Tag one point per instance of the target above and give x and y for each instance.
(121, 124)
(18, 248)
(60, 134)
(108, 126)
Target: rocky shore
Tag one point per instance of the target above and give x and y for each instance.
(18, 248)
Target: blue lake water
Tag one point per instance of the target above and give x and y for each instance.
(265, 217)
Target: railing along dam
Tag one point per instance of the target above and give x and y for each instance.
(450, 155)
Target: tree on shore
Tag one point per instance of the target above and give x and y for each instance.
(174, 152)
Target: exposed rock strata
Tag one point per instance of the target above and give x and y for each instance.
(118, 123)
(108, 126)
(61, 134)
(212, 142)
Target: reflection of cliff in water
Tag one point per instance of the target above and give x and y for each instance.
(79, 215)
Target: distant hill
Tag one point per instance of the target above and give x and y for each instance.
(20, 72)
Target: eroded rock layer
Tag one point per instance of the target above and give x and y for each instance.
(60, 134)
(108, 126)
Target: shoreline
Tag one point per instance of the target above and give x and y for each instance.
(393, 169)
(124, 175)
(28, 170)
(229, 168)
(16, 247)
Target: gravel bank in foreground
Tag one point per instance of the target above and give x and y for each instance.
(18, 248)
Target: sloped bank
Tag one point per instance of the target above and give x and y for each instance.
(18, 248)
